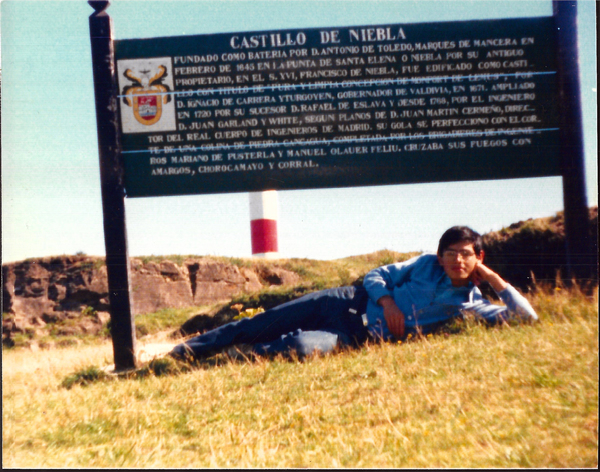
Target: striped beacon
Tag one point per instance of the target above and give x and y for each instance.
(263, 224)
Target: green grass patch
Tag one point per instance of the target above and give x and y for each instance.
(84, 377)
(178, 259)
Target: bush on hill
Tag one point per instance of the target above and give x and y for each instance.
(536, 246)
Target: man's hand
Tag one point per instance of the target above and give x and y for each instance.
(393, 316)
(483, 272)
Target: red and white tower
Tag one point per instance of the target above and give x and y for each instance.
(263, 224)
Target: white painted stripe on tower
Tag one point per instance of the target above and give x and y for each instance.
(263, 205)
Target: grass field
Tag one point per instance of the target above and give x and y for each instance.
(512, 396)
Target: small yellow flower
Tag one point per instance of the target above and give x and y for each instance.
(247, 313)
(399, 342)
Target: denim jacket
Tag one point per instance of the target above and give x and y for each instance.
(426, 296)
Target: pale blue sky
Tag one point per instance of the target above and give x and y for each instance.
(50, 177)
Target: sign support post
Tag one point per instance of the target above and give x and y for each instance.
(580, 259)
(113, 195)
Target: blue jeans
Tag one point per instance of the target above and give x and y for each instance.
(318, 321)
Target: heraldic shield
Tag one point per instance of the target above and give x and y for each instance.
(147, 109)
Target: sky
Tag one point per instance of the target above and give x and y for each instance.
(51, 202)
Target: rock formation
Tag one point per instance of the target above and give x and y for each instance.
(69, 294)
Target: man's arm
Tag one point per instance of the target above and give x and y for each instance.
(484, 273)
(516, 304)
(393, 316)
(380, 283)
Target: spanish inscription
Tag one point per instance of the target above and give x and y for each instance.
(338, 107)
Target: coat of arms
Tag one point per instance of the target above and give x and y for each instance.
(147, 94)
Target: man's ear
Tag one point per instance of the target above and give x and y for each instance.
(481, 255)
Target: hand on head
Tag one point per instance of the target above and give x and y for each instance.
(482, 273)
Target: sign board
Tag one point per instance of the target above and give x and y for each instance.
(335, 107)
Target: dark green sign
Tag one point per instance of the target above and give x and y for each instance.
(337, 107)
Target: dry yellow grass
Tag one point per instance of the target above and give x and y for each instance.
(519, 396)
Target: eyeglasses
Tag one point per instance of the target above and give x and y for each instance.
(464, 254)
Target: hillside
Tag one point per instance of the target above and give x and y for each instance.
(64, 299)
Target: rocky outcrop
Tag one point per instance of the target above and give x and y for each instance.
(69, 294)
(159, 285)
(216, 281)
(59, 295)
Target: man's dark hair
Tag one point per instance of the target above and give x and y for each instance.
(458, 234)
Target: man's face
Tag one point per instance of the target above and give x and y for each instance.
(459, 261)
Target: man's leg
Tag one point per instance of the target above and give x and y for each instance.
(302, 313)
(303, 343)
(312, 312)
(338, 326)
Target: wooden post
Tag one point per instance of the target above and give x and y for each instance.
(581, 260)
(113, 195)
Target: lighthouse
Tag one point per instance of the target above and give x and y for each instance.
(263, 224)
